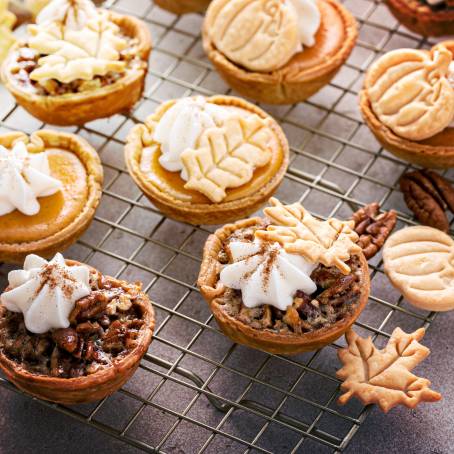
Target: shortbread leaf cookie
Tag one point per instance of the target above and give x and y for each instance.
(227, 156)
(384, 377)
(410, 92)
(330, 242)
(419, 262)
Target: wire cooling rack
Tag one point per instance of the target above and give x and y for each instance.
(195, 391)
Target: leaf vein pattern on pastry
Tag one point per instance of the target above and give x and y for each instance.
(227, 156)
(384, 377)
(330, 242)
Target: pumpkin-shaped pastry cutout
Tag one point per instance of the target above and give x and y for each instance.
(261, 35)
(419, 262)
(410, 92)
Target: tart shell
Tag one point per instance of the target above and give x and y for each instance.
(183, 6)
(49, 246)
(421, 19)
(80, 108)
(207, 213)
(89, 388)
(266, 340)
(434, 152)
(284, 86)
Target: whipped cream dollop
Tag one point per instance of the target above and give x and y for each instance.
(435, 2)
(46, 292)
(73, 13)
(180, 128)
(24, 177)
(266, 274)
(308, 19)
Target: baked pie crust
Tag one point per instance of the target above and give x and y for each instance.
(85, 388)
(264, 339)
(436, 151)
(306, 73)
(239, 202)
(64, 216)
(183, 6)
(421, 18)
(79, 108)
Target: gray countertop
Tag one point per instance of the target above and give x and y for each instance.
(334, 160)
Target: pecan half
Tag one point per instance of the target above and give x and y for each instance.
(373, 228)
(428, 195)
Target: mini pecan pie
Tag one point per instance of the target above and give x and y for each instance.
(78, 63)
(84, 345)
(426, 17)
(278, 51)
(285, 284)
(183, 6)
(50, 187)
(207, 160)
(408, 103)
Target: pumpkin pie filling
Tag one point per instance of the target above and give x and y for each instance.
(56, 211)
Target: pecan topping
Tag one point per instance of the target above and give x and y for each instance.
(428, 195)
(66, 338)
(373, 228)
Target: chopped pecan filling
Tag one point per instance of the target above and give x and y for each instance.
(337, 296)
(27, 61)
(103, 326)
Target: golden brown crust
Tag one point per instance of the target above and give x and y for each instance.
(436, 152)
(80, 108)
(285, 344)
(285, 86)
(183, 6)
(88, 388)
(47, 247)
(421, 18)
(207, 213)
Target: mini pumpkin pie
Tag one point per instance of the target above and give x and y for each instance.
(50, 187)
(79, 63)
(68, 333)
(278, 52)
(408, 103)
(287, 283)
(7, 21)
(183, 6)
(207, 160)
(419, 262)
(426, 17)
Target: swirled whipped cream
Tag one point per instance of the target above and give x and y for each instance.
(73, 13)
(308, 19)
(180, 128)
(46, 292)
(266, 274)
(24, 177)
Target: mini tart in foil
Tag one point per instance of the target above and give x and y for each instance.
(422, 18)
(65, 105)
(64, 216)
(340, 300)
(434, 152)
(306, 73)
(111, 329)
(166, 190)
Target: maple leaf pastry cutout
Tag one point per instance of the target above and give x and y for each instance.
(330, 242)
(384, 377)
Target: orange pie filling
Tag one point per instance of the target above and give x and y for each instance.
(56, 211)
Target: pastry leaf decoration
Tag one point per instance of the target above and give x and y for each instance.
(227, 156)
(77, 54)
(410, 91)
(384, 377)
(330, 242)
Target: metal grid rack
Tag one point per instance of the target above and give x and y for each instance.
(195, 390)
